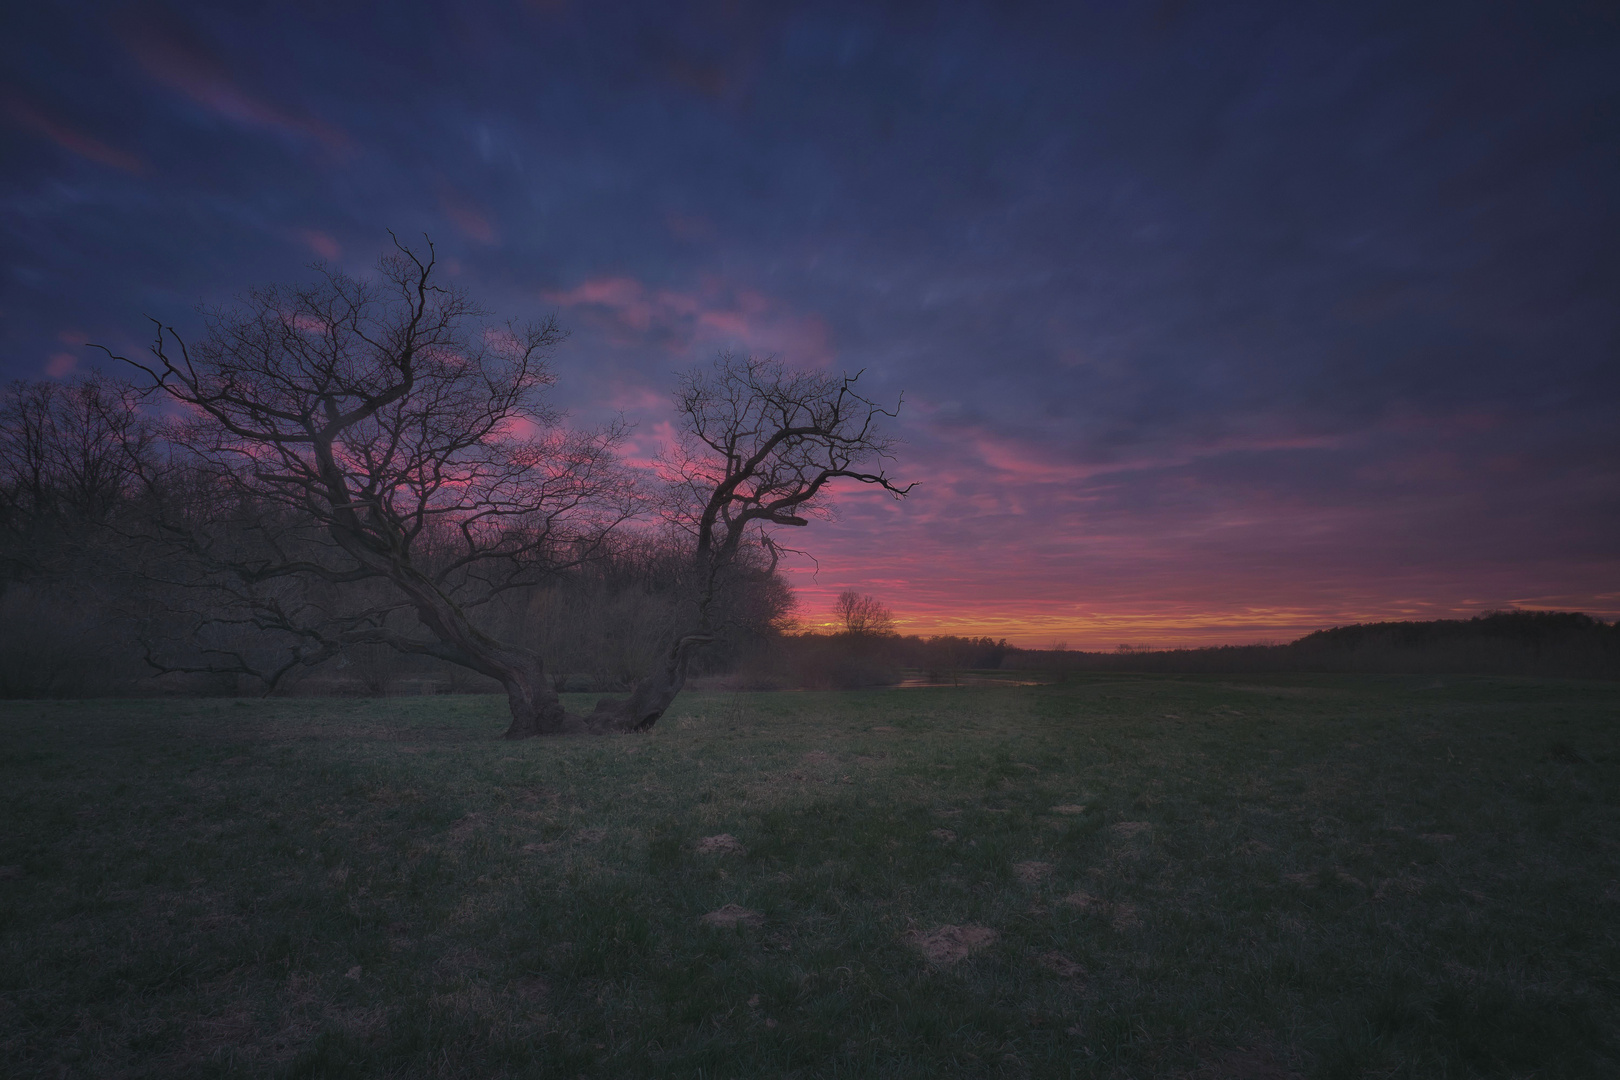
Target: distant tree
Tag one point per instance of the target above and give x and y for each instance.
(65, 455)
(862, 615)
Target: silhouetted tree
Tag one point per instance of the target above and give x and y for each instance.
(357, 432)
(862, 615)
(65, 456)
(362, 463)
(759, 446)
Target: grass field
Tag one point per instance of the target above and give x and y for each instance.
(1147, 876)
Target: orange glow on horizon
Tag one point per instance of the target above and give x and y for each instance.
(1159, 622)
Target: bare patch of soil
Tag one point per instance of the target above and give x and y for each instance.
(466, 827)
(532, 990)
(948, 944)
(1031, 872)
(944, 836)
(733, 915)
(1129, 829)
(1059, 964)
(1121, 917)
(1069, 808)
(1317, 878)
(724, 844)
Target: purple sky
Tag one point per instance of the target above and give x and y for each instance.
(1214, 322)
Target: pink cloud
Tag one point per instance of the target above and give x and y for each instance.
(715, 316)
(472, 221)
(630, 397)
(177, 60)
(1031, 461)
(26, 116)
(688, 227)
(320, 243)
(501, 339)
(644, 445)
(61, 365)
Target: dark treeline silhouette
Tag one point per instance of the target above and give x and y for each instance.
(848, 660)
(1534, 643)
(1539, 643)
(125, 569)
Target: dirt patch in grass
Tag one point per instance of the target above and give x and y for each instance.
(723, 844)
(1059, 964)
(733, 915)
(1069, 808)
(1123, 917)
(1120, 916)
(947, 944)
(1130, 829)
(1325, 877)
(1032, 872)
(944, 836)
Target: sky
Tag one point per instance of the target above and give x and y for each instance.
(1213, 323)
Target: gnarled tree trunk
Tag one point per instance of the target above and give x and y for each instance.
(651, 697)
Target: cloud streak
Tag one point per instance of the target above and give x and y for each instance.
(71, 139)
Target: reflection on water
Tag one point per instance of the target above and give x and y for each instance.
(918, 682)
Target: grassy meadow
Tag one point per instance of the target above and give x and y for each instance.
(1116, 876)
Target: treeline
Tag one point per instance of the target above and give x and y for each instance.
(126, 569)
(851, 660)
(1548, 644)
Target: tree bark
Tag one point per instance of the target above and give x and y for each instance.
(536, 709)
(651, 697)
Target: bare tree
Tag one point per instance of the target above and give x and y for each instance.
(358, 463)
(375, 433)
(862, 615)
(65, 450)
(759, 448)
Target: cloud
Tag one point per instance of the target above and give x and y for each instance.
(320, 243)
(61, 365)
(174, 56)
(467, 217)
(715, 316)
(71, 139)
